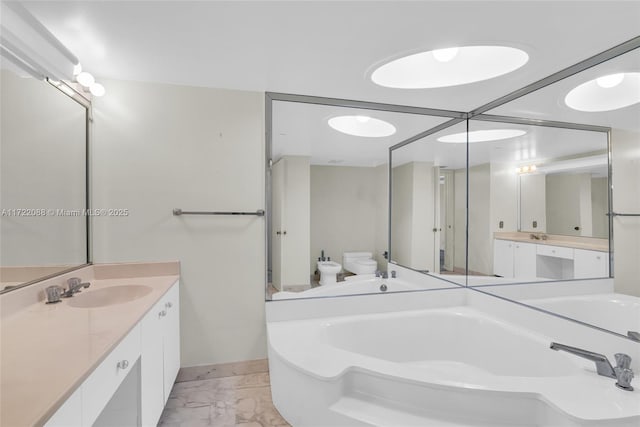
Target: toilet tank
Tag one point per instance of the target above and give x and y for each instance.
(350, 256)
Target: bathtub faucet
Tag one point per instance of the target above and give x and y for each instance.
(622, 373)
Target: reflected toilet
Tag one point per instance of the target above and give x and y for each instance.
(359, 262)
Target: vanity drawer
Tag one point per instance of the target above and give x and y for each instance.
(104, 381)
(555, 251)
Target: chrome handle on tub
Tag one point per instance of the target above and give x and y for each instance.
(123, 364)
(162, 313)
(168, 304)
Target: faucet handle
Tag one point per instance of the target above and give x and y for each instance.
(623, 361)
(624, 378)
(74, 281)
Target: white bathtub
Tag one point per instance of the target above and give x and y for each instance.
(451, 367)
(615, 312)
(370, 285)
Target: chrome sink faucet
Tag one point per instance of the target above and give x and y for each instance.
(74, 285)
(622, 372)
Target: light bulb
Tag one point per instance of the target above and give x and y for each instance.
(445, 55)
(518, 170)
(97, 89)
(612, 80)
(363, 119)
(85, 79)
(533, 168)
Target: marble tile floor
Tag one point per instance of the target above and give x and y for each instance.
(233, 394)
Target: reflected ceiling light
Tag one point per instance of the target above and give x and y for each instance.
(355, 125)
(85, 79)
(445, 55)
(449, 67)
(482, 135)
(611, 80)
(605, 93)
(97, 89)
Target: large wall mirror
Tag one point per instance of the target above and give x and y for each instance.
(43, 181)
(328, 223)
(559, 171)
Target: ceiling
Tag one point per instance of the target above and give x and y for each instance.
(328, 48)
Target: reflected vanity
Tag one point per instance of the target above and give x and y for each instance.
(43, 183)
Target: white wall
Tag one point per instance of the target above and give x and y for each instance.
(157, 147)
(344, 211)
(626, 199)
(42, 167)
(480, 235)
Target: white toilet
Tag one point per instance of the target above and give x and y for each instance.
(328, 272)
(359, 262)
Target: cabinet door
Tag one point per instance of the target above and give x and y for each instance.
(103, 382)
(171, 329)
(588, 264)
(152, 366)
(70, 413)
(503, 258)
(524, 260)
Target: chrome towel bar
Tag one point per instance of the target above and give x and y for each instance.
(178, 212)
(623, 214)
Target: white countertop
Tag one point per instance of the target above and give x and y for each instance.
(49, 349)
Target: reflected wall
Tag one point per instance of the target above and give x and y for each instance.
(43, 180)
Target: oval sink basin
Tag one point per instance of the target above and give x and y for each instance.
(109, 296)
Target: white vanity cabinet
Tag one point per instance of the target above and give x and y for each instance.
(587, 264)
(160, 355)
(524, 260)
(503, 258)
(514, 259)
(154, 342)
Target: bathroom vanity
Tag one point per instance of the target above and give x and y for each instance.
(109, 355)
(518, 255)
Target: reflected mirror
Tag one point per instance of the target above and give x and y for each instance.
(567, 200)
(43, 180)
(328, 222)
(428, 205)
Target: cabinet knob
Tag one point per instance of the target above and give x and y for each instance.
(162, 313)
(123, 364)
(168, 304)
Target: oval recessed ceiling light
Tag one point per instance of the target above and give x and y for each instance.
(85, 79)
(362, 126)
(605, 93)
(482, 135)
(449, 67)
